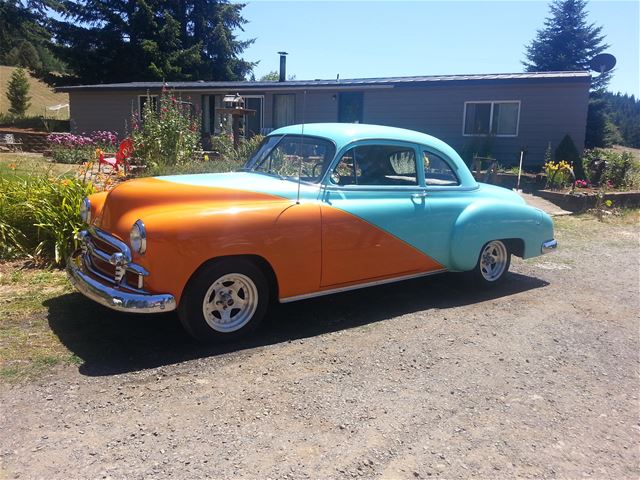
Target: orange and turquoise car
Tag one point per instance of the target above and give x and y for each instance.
(317, 209)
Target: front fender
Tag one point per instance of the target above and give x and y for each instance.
(285, 235)
(484, 221)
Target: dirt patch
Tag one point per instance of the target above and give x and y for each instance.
(428, 378)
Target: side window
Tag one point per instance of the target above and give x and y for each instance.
(437, 172)
(377, 165)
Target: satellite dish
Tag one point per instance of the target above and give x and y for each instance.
(602, 63)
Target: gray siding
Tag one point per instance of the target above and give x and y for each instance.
(102, 111)
(547, 114)
(548, 111)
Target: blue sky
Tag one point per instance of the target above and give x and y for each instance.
(385, 38)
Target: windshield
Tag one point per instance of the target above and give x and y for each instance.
(285, 155)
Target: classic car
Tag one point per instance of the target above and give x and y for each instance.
(317, 209)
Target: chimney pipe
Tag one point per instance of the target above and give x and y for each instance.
(283, 66)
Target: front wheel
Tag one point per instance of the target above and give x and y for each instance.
(493, 263)
(225, 300)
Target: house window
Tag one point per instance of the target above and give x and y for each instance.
(495, 118)
(142, 101)
(283, 110)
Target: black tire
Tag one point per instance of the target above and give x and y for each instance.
(481, 275)
(250, 281)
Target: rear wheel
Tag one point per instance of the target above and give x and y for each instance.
(226, 299)
(493, 263)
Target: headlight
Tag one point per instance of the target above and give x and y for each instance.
(138, 237)
(85, 210)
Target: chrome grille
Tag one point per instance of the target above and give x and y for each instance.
(109, 258)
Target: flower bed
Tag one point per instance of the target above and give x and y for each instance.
(71, 148)
(585, 199)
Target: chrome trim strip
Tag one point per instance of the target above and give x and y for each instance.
(549, 246)
(111, 240)
(321, 293)
(114, 298)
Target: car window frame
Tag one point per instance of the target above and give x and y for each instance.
(445, 158)
(328, 184)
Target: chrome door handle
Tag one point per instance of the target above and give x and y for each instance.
(420, 195)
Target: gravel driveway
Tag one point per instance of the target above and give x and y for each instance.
(428, 378)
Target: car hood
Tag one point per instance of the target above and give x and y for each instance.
(138, 198)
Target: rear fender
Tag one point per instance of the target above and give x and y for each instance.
(482, 222)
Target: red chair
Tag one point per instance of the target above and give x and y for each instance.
(125, 150)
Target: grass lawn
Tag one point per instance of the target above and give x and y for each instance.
(28, 347)
(44, 324)
(23, 164)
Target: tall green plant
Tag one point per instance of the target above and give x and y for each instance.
(40, 216)
(168, 134)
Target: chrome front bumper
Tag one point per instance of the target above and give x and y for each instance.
(549, 246)
(111, 296)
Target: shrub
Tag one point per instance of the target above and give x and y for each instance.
(568, 152)
(617, 169)
(227, 158)
(169, 133)
(223, 146)
(40, 215)
(37, 123)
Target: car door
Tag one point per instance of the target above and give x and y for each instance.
(373, 204)
(446, 199)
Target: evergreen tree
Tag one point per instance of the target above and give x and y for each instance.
(567, 42)
(624, 112)
(25, 40)
(17, 91)
(568, 152)
(137, 40)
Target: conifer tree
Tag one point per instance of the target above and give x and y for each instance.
(153, 40)
(17, 90)
(567, 42)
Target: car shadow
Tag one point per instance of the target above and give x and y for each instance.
(110, 343)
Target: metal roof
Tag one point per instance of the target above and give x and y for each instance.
(382, 82)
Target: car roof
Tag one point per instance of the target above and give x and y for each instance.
(345, 133)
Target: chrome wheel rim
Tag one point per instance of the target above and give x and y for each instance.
(493, 260)
(230, 302)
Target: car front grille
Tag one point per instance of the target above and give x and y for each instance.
(109, 259)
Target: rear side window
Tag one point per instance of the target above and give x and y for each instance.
(437, 171)
(377, 165)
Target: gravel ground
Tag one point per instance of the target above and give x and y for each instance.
(428, 378)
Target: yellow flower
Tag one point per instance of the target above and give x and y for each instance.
(65, 182)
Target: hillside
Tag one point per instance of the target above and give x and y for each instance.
(41, 96)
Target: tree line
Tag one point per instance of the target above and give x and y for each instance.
(106, 41)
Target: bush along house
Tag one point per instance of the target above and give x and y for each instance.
(494, 115)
